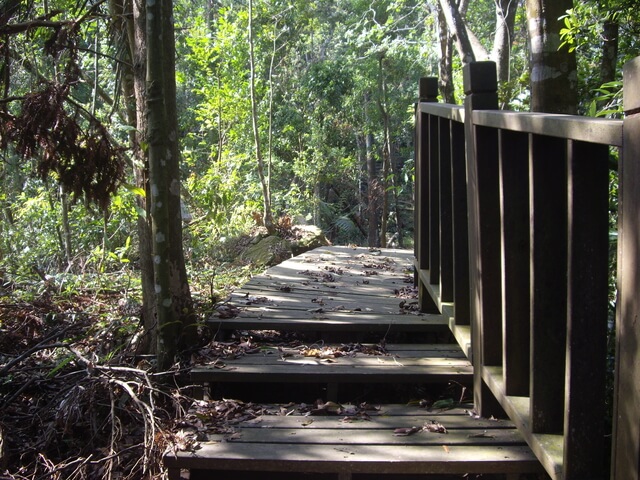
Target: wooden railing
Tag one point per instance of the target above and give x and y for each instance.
(513, 245)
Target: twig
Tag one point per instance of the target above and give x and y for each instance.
(80, 460)
(40, 346)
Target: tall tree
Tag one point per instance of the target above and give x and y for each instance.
(553, 68)
(172, 299)
(266, 192)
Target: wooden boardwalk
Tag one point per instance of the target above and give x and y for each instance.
(336, 296)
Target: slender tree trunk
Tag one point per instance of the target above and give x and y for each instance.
(372, 183)
(66, 227)
(386, 157)
(372, 193)
(553, 69)
(266, 194)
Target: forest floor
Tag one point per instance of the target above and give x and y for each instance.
(78, 400)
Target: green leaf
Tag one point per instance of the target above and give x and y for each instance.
(135, 190)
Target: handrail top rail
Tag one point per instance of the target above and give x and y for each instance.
(572, 127)
(444, 110)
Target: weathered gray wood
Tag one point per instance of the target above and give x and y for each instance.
(331, 289)
(335, 322)
(373, 436)
(386, 459)
(446, 211)
(548, 190)
(326, 444)
(626, 439)
(587, 294)
(310, 371)
(514, 206)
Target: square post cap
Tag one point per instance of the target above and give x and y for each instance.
(480, 77)
(428, 91)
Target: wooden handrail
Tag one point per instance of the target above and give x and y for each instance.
(512, 243)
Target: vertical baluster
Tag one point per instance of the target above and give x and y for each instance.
(434, 201)
(446, 214)
(460, 225)
(514, 198)
(548, 208)
(588, 264)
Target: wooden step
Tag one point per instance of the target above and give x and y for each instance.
(358, 441)
(401, 364)
(331, 289)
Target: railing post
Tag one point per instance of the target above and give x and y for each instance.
(428, 92)
(480, 86)
(626, 424)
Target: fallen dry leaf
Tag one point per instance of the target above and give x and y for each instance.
(405, 431)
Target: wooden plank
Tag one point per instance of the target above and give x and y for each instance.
(514, 207)
(294, 296)
(336, 323)
(548, 190)
(296, 442)
(317, 372)
(387, 459)
(371, 436)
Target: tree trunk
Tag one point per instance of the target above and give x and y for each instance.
(386, 154)
(130, 20)
(372, 193)
(553, 69)
(180, 292)
(266, 194)
(501, 52)
(445, 69)
(458, 28)
(173, 306)
(609, 60)
(66, 227)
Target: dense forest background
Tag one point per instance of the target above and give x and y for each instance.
(286, 112)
